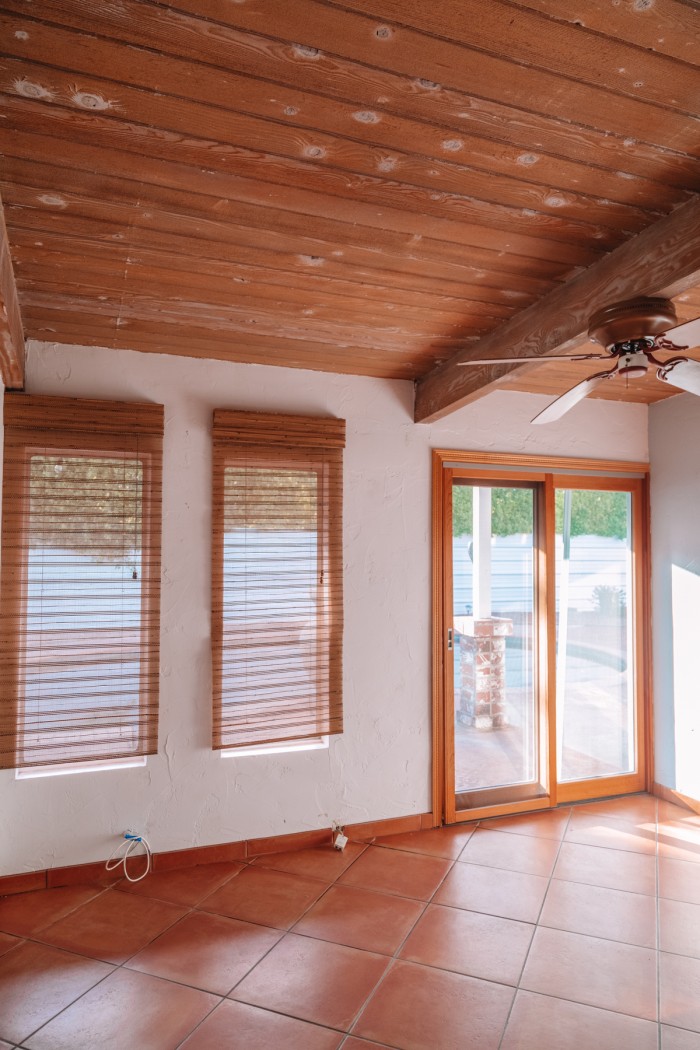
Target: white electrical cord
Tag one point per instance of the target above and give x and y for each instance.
(131, 842)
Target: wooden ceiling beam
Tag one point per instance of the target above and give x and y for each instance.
(11, 329)
(662, 260)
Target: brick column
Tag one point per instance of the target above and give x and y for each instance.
(482, 653)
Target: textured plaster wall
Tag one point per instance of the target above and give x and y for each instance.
(380, 766)
(674, 438)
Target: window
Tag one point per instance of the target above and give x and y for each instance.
(277, 615)
(80, 581)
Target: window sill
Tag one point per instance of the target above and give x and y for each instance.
(311, 744)
(33, 772)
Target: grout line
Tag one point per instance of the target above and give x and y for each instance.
(115, 966)
(189, 910)
(392, 959)
(534, 931)
(370, 1042)
(205, 1018)
(73, 1001)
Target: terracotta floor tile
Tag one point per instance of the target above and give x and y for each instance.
(614, 868)
(319, 862)
(679, 977)
(375, 922)
(36, 982)
(470, 943)
(678, 1039)
(630, 808)
(550, 824)
(679, 928)
(596, 972)
(315, 981)
(26, 913)
(186, 886)
(298, 942)
(499, 849)
(351, 1043)
(679, 880)
(250, 1028)
(127, 1010)
(437, 842)
(394, 871)
(592, 829)
(7, 942)
(494, 891)
(210, 952)
(577, 1027)
(415, 1003)
(680, 840)
(113, 926)
(601, 912)
(272, 898)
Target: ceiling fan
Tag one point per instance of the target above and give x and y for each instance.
(631, 333)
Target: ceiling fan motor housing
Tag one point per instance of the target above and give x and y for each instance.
(635, 321)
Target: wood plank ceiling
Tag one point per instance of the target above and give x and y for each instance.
(366, 187)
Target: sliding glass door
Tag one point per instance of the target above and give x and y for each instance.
(596, 665)
(494, 603)
(541, 615)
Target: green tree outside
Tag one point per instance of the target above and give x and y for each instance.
(592, 513)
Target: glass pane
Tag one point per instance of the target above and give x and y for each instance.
(595, 666)
(493, 589)
(82, 663)
(275, 652)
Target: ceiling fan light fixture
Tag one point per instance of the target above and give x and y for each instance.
(633, 365)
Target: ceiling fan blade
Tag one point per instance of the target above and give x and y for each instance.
(541, 359)
(572, 397)
(682, 373)
(685, 335)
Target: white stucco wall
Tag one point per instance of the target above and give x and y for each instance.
(380, 767)
(674, 439)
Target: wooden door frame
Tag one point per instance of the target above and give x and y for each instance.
(551, 470)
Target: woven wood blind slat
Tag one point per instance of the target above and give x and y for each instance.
(79, 622)
(277, 612)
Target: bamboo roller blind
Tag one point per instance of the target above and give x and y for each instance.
(277, 602)
(79, 625)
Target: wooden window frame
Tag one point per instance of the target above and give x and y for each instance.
(93, 429)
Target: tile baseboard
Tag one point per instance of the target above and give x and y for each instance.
(678, 799)
(94, 871)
